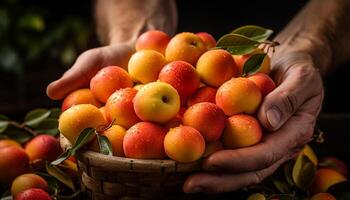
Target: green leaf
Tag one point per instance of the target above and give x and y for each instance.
(304, 171)
(254, 32)
(287, 171)
(17, 134)
(35, 117)
(32, 21)
(84, 137)
(55, 113)
(3, 118)
(60, 175)
(7, 198)
(105, 145)
(282, 186)
(253, 64)
(237, 44)
(48, 126)
(3, 125)
(64, 156)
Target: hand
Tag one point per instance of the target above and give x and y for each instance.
(86, 66)
(289, 112)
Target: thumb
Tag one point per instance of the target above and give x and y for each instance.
(297, 85)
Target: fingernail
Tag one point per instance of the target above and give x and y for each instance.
(196, 190)
(273, 116)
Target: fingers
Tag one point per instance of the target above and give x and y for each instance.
(220, 182)
(299, 84)
(282, 143)
(86, 66)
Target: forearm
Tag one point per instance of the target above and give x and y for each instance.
(321, 30)
(122, 21)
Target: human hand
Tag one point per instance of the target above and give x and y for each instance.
(289, 112)
(86, 66)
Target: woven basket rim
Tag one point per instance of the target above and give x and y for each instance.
(115, 163)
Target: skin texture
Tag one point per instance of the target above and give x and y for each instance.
(153, 40)
(33, 194)
(216, 67)
(315, 41)
(144, 140)
(80, 96)
(28, 181)
(108, 80)
(184, 144)
(144, 66)
(43, 148)
(14, 162)
(182, 76)
(120, 107)
(207, 118)
(164, 101)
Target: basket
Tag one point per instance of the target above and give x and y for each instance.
(109, 177)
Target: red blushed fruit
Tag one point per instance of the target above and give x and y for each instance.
(208, 39)
(207, 118)
(7, 143)
(264, 82)
(182, 76)
(153, 40)
(43, 148)
(203, 94)
(14, 162)
(28, 181)
(144, 140)
(108, 80)
(33, 194)
(334, 163)
(120, 107)
(325, 178)
(80, 96)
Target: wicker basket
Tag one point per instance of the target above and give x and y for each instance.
(109, 177)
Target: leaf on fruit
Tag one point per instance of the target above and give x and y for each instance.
(253, 64)
(35, 117)
(64, 156)
(60, 175)
(105, 145)
(83, 138)
(304, 171)
(254, 32)
(48, 126)
(237, 44)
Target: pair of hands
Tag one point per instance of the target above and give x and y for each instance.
(289, 113)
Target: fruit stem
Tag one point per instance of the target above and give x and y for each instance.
(24, 127)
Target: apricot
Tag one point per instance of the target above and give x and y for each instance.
(174, 122)
(153, 40)
(80, 96)
(14, 162)
(186, 47)
(208, 39)
(28, 181)
(241, 131)
(241, 59)
(264, 82)
(33, 194)
(144, 66)
(108, 80)
(336, 164)
(216, 67)
(184, 144)
(115, 135)
(120, 107)
(43, 148)
(323, 196)
(212, 147)
(144, 140)
(103, 110)
(325, 178)
(203, 94)
(207, 118)
(182, 76)
(8, 142)
(238, 95)
(74, 120)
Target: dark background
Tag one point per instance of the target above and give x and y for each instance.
(23, 88)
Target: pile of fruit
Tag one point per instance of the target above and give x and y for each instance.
(181, 98)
